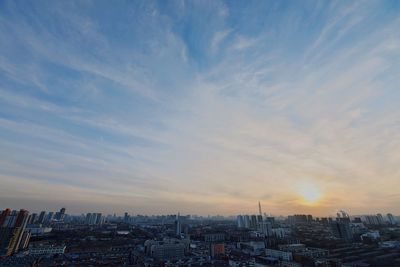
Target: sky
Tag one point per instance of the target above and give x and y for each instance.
(200, 107)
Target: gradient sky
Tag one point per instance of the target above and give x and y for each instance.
(200, 107)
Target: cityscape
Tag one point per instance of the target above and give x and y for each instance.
(200, 133)
(56, 238)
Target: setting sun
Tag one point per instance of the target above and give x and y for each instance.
(309, 193)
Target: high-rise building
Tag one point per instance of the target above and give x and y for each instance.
(126, 218)
(87, 219)
(26, 236)
(391, 218)
(12, 231)
(33, 218)
(5, 213)
(373, 220)
(42, 217)
(265, 228)
(94, 219)
(99, 220)
(270, 219)
(246, 221)
(240, 221)
(380, 219)
(49, 217)
(249, 221)
(342, 230)
(253, 222)
(60, 215)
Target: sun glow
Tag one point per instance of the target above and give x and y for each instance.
(309, 193)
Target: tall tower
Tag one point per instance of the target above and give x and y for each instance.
(178, 225)
(259, 208)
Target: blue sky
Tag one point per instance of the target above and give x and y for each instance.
(200, 106)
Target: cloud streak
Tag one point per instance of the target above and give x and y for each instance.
(150, 116)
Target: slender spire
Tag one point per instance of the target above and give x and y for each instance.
(259, 208)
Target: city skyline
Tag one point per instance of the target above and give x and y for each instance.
(160, 107)
(59, 214)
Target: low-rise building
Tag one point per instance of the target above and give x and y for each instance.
(166, 249)
(46, 250)
(279, 254)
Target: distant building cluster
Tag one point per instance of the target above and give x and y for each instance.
(299, 240)
(94, 219)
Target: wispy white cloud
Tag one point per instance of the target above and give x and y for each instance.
(218, 38)
(242, 42)
(144, 114)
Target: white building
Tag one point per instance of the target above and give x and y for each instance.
(38, 230)
(46, 250)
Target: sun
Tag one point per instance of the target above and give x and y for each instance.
(309, 193)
